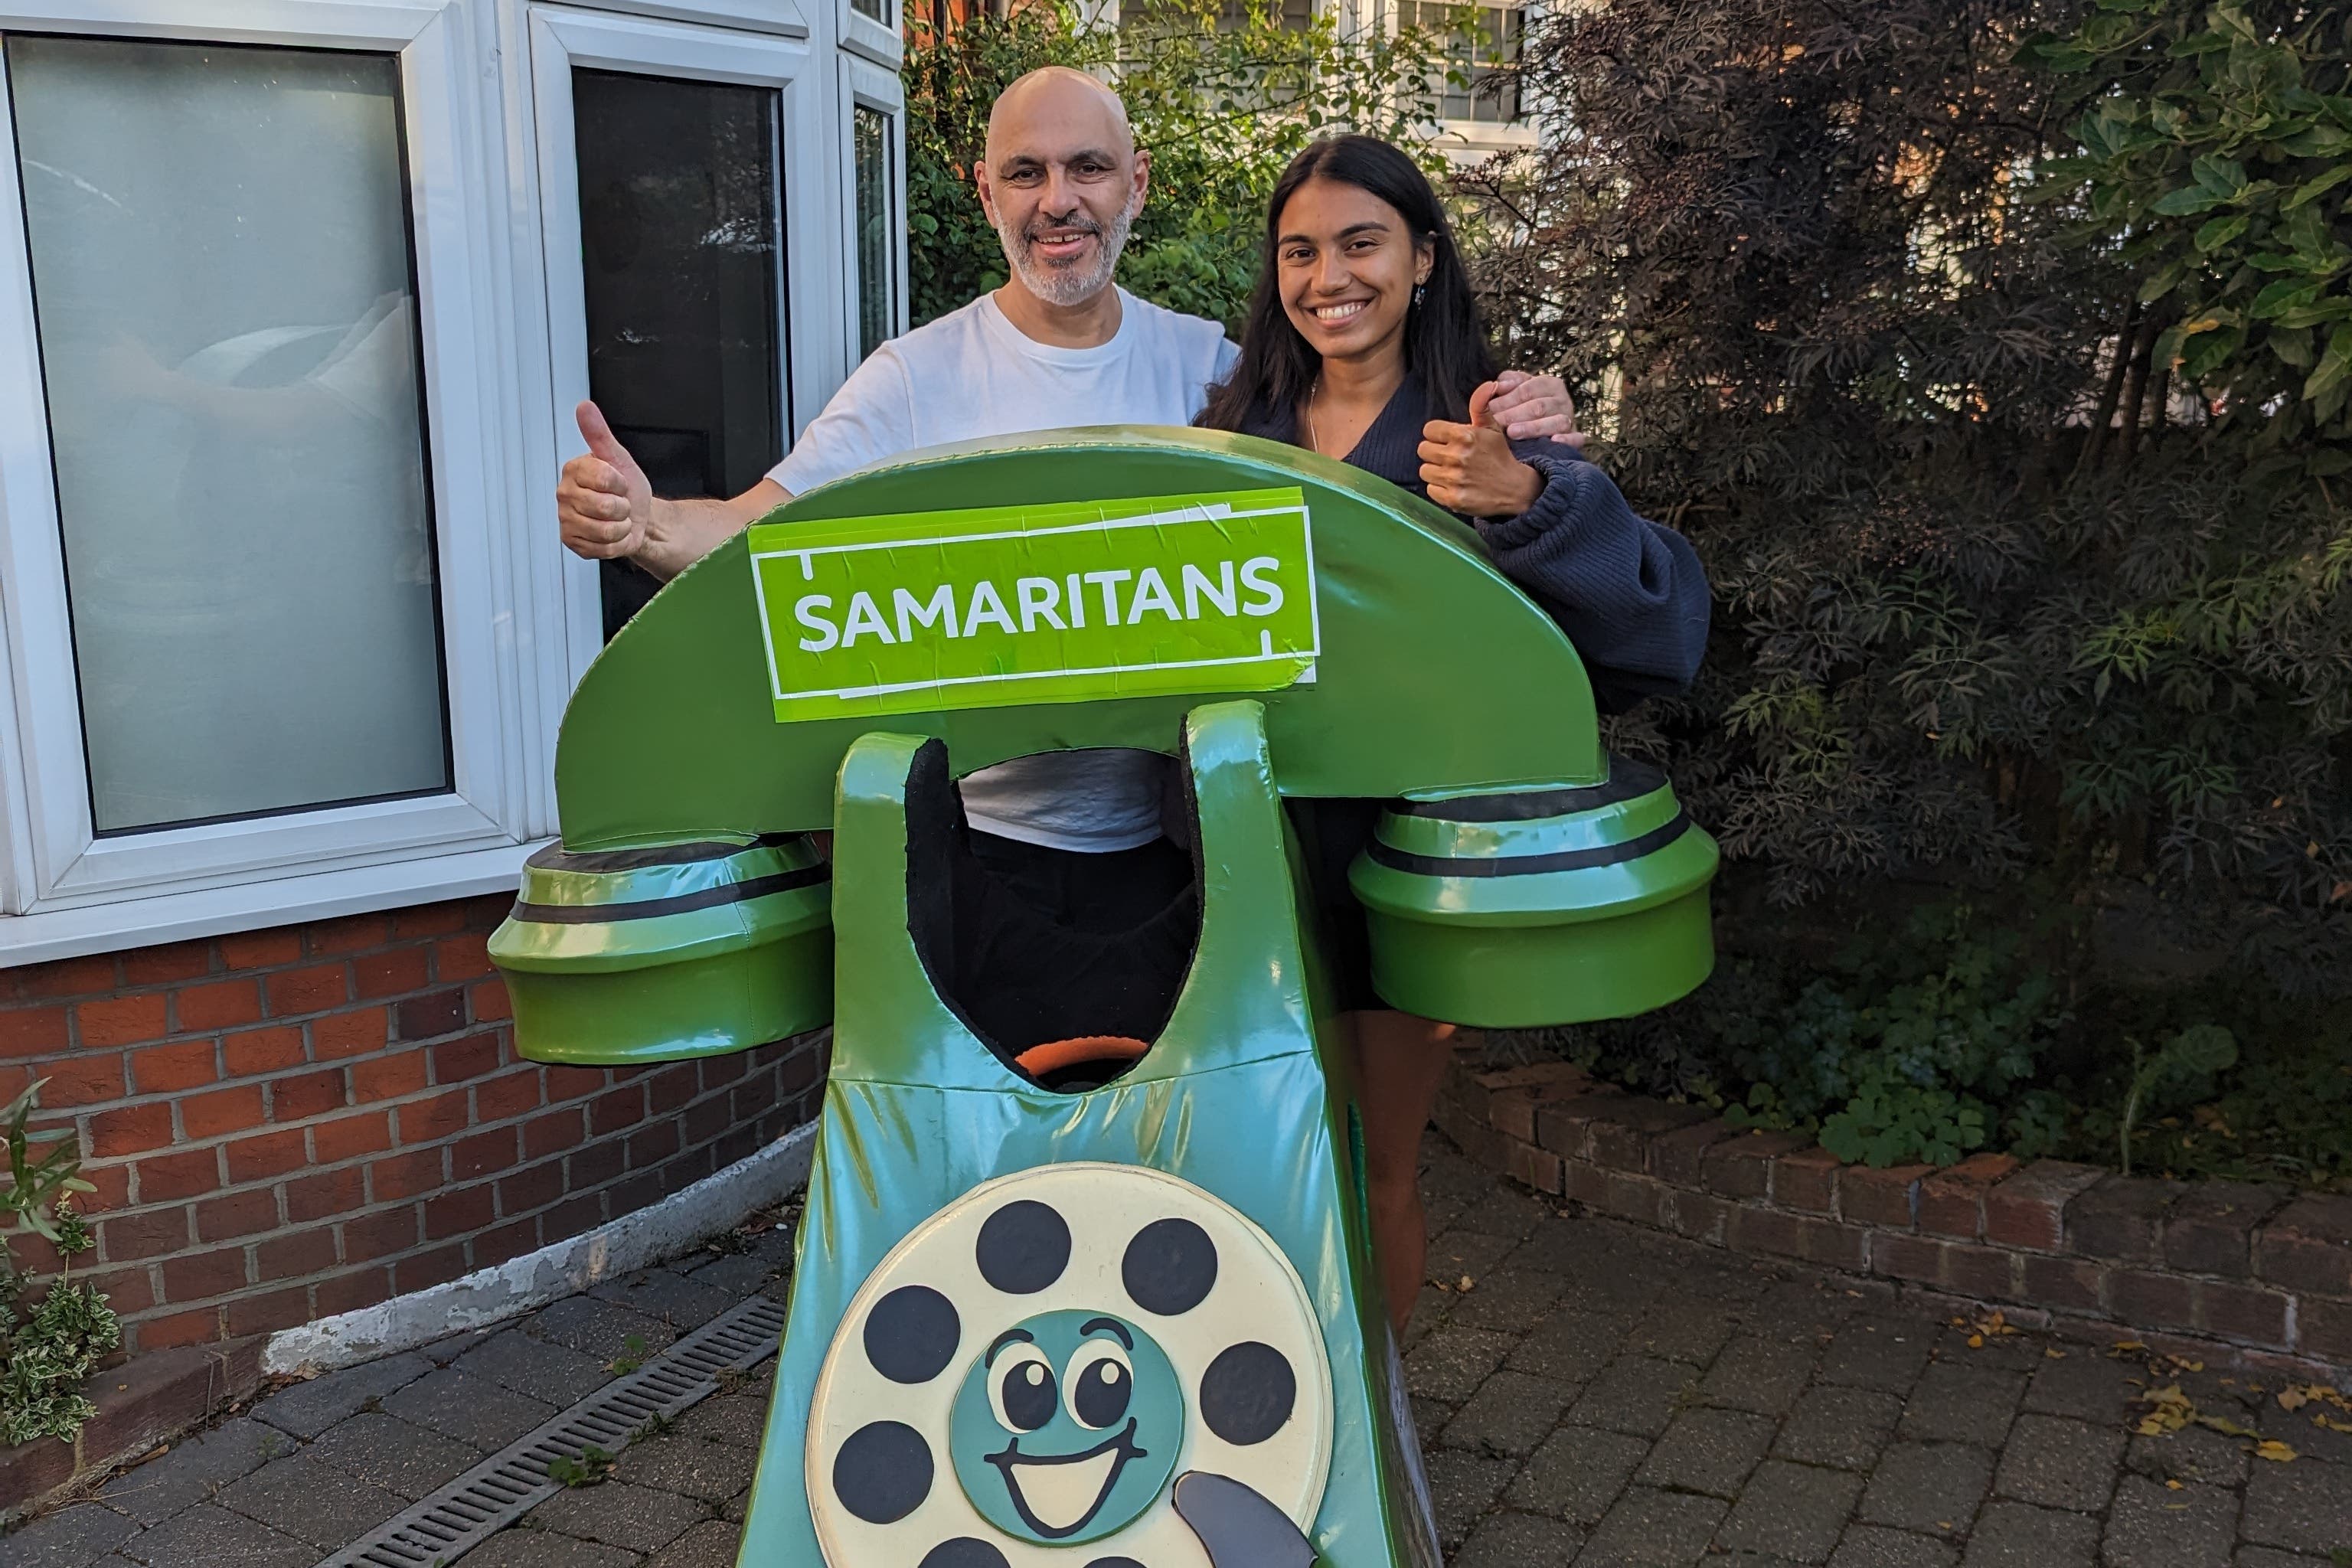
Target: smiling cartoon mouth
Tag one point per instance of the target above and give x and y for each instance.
(1056, 1496)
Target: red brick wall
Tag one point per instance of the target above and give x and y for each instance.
(291, 1123)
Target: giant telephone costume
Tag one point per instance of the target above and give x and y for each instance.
(1055, 1310)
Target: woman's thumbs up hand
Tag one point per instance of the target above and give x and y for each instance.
(1469, 467)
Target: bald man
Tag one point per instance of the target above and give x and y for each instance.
(1076, 835)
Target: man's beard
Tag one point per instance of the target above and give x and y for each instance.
(1068, 284)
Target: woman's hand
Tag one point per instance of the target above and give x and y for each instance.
(1469, 467)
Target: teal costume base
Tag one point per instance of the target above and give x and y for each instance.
(1136, 1325)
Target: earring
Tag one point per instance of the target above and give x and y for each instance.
(1418, 291)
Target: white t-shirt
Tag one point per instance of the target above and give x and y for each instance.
(972, 374)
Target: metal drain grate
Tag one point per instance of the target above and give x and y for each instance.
(443, 1528)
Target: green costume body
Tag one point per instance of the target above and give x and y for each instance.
(1136, 1324)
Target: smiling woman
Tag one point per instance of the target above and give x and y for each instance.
(1365, 344)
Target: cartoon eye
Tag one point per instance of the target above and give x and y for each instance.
(1100, 1384)
(1021, 1390)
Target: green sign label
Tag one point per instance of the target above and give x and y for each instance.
(1069, 602)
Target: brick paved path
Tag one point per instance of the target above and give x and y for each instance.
(1607, 1397)
(1600, 1396)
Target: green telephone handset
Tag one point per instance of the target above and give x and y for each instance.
(1132, 1322)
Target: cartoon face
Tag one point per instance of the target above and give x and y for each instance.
(1066, 1427)
(1023, 1381)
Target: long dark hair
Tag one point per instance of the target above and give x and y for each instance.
(1444, 340)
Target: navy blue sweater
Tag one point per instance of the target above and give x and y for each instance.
(1628, 593)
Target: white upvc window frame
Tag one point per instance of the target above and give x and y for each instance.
(787, 18)
(492, 188)
(1465, 141)
(563, 37)
(860, 33)
(866, 86)
(62, 887)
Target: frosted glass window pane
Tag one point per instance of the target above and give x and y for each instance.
(876, 311)
(227, 314)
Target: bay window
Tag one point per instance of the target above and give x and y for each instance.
(296, 297)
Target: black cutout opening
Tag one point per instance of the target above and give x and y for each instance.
(1015, 974)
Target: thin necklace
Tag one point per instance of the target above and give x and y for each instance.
(1314, 439)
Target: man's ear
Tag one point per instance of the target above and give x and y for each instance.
(980, 182)
(1142, 178)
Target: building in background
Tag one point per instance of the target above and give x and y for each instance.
(1476, 117)
(295, 298)
(1479, 115)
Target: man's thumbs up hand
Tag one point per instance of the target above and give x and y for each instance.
(602, 501)
(1529, 407)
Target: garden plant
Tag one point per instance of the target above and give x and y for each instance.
(49, 1339)
(1996, 358)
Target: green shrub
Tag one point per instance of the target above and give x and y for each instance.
(1914, 1052)
(48, 1347)
(1929, 1037)
(2002, 591)
(2216, 143)
(1923, 1047)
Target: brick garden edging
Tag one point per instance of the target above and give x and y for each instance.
(141, 1401)
(2258, 1268)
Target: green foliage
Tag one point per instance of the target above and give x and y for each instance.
(38, 1180)
(593, 1468)
(2281, 1110)
(2218, 141)
(44, 1356)
(1903, 1052)
(48, 1347)
(2194, 1056)
(1928, 1037)
(631, 1356)
(1221, 99)
(2001, 590)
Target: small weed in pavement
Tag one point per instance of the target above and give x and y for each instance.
(593, 1468)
